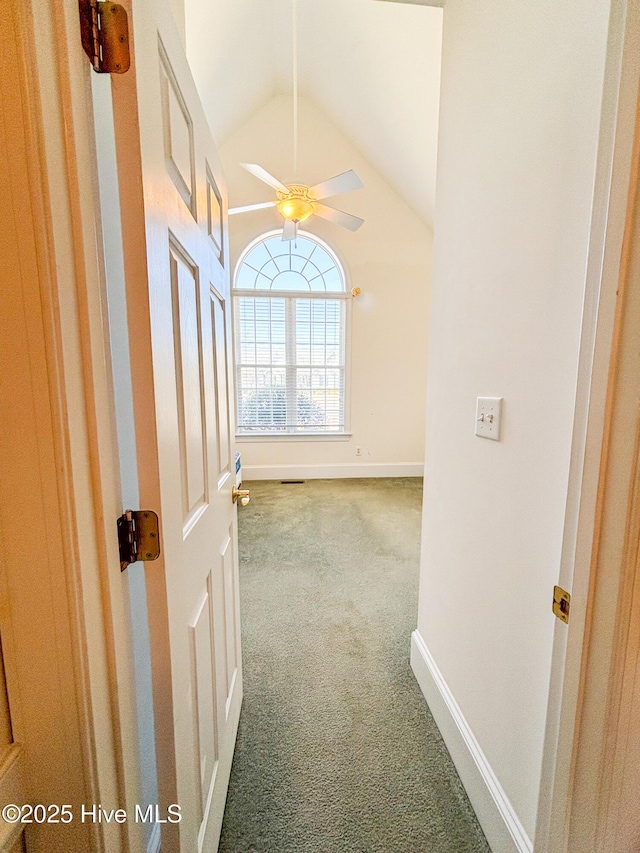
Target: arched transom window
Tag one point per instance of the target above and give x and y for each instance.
(290, 328)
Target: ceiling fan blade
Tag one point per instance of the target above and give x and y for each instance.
(263, 175)
(248, 207)
(347, 220)
(343, 183)
(290, 231)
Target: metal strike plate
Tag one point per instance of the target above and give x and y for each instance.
(138, 537)
(561, 603)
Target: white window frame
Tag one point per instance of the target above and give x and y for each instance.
(279, 437)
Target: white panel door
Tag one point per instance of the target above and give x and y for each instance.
(173, 211)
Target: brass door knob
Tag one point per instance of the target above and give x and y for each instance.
(243, 495)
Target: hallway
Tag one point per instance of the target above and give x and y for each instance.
(337, 751)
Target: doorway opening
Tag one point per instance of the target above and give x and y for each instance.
(330, 351)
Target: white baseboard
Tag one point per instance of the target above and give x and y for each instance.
(154, 839)
(497, 817)
(338, 470)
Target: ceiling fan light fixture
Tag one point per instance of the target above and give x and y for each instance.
(295, 208)
(297, 202)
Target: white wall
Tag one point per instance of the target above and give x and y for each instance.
(520, 108)
(389, 258)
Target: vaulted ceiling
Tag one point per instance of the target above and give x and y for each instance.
(373, 67)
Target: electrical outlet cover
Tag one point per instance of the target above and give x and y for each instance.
(489, 417)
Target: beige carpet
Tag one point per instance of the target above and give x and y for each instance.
(337, 751)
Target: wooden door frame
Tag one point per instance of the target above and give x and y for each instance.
(71, 348)
(572, 669)
(612, 647)
(54, 77)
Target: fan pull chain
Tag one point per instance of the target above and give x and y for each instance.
(295, 87)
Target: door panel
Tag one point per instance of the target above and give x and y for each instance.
(189, 383)
(214, 215)
(230, 615)
(220, 379)
(205, 700)
(173, 200)
(177, 130)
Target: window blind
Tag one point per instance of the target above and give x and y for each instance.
(290, 364)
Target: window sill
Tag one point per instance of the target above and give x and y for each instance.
(243, 438)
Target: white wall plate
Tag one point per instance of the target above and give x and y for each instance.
(489, 417)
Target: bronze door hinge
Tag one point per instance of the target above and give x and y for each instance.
(104, 30)
(138, 537)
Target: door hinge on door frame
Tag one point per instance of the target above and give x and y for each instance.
(104, 30)
(138, 537)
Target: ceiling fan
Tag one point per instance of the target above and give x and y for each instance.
(296, 202)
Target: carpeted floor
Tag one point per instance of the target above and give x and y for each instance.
(337, 751)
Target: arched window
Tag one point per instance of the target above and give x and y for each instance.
(290, 307)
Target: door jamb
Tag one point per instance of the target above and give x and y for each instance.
(569, 669)
(54, 74)
(105, 654)
(610, 658)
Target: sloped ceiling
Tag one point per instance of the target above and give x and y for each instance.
(373, 67)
